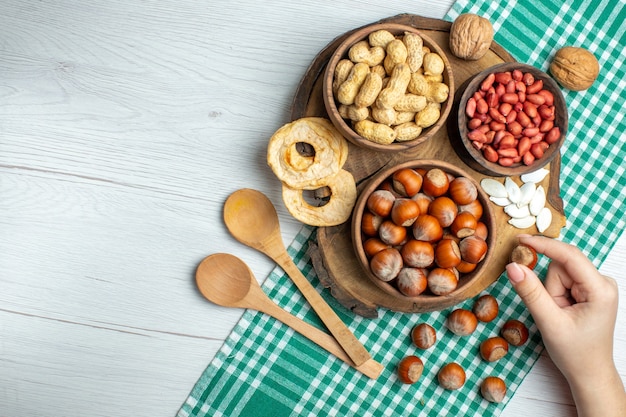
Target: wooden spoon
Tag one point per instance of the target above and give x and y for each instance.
(227, 281)
(252, 219)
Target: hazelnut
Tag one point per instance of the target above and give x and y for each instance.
(493, 389)
(515, 332)
(413, 212)
(462, 322)
(404, 212)
(412, 281)
(524, 255)
(427, 228)
(380, 202)
(464, 225)
(373, 245)
(574, 68)
(418, 254)
(474, 207)
(391, 234)
(465, 267)
(447, 253)
(462, 190)
(370, 223)
(486, 308)
(407, 182)
(435, 182)
(444, 210)
(423, 336)
(386, 264)
(473, 249)
(423, 201)
(470, 36)
(387, 185)
(451, 376)
(410, 369)
(481, 230)
(442, 281)
(494, 348)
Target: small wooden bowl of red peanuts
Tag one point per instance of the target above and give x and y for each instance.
(512, 119)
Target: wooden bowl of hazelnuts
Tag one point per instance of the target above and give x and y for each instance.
(424, 231)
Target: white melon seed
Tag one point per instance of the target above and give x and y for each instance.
(500, 201)
(512, 189)
(493, 187)
(538, 201)
(516, 211)
(522, 222)
(544, 219)
(528, 191)
(535, 176)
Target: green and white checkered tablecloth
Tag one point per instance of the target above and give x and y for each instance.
(266, 369)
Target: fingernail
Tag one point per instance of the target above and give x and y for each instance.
(514, 273)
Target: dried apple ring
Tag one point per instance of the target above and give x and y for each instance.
(307, 172)
(336, 211)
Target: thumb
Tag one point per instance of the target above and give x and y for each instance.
(532, 292)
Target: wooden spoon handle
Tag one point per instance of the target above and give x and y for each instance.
(369, 368)
(335, 325)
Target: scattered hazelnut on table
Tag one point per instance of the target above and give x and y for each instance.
(486, 308)
(493, 389)
(410, 369)
(423, 335)
(462, 322)
(515, 332)
(451, 376)
(494, 348)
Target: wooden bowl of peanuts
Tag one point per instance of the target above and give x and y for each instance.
(511, 119)
(424, 231)
(388, 87)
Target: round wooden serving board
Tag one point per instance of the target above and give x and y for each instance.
(333, 255)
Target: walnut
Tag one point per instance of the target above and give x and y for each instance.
(470, 36)
(575, 68)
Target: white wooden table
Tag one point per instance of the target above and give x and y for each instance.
(123, 128)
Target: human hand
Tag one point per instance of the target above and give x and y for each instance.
(575, 311)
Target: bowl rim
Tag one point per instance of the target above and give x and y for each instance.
(478, 162)
(489, 218)
(331, 106)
